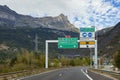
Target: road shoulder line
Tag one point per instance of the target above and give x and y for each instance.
(105, 75)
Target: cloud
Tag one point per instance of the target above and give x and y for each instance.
(82, 13)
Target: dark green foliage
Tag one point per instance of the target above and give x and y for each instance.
(72, 63)
(12, 61)
(117, 59)
(24, 38)
(25, 60)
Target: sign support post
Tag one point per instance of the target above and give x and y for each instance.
(96, 58)
(46, 55)
(46, 50)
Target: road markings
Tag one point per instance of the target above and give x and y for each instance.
(86, 71)
(60, 74)
(86, 74)
(42, 73)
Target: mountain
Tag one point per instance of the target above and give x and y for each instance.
(18, 31)
(11, 19)
(109, 42)
(104, 31)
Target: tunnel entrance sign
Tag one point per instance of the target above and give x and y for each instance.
(87, 34)
(87, 37)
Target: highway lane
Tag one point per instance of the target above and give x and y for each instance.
(77, 73)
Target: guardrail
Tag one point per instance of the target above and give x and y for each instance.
(18, 74)
(110, 73)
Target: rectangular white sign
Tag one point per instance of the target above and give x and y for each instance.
(87, 34)
(87, 46)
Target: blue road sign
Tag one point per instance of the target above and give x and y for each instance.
(84, 34)
(89, 34)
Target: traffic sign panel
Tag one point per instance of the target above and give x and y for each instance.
(67, 43)
(90, 34)
(84, 34)
(82, 42)
(87, 34)
(87, 29)
(91, 42)
(87, 44)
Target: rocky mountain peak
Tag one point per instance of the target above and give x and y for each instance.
(6, 9)
(10, 17)
(7, 14)
(62, 17)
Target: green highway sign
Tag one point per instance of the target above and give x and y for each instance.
(67, 43)
(87, 29)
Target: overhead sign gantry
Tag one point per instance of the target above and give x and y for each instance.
(87, 40)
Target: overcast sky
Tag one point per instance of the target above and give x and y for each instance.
(81, 13)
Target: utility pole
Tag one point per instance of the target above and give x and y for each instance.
(36, 42)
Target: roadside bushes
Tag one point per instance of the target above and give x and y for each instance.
(24, 60)
(117, 59)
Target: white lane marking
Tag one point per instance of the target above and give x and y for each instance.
(60, 74)
(86, 71)
(86, 75)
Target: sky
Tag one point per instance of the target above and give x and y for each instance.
(81, 13)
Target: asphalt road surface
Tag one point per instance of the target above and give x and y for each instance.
(77, 73)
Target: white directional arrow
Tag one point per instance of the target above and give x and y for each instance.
(60, 46)
(74, 46)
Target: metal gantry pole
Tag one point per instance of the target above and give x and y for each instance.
(96, 56)
(46, 50)
(46, 55)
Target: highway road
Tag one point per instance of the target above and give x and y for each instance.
(77, 73)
